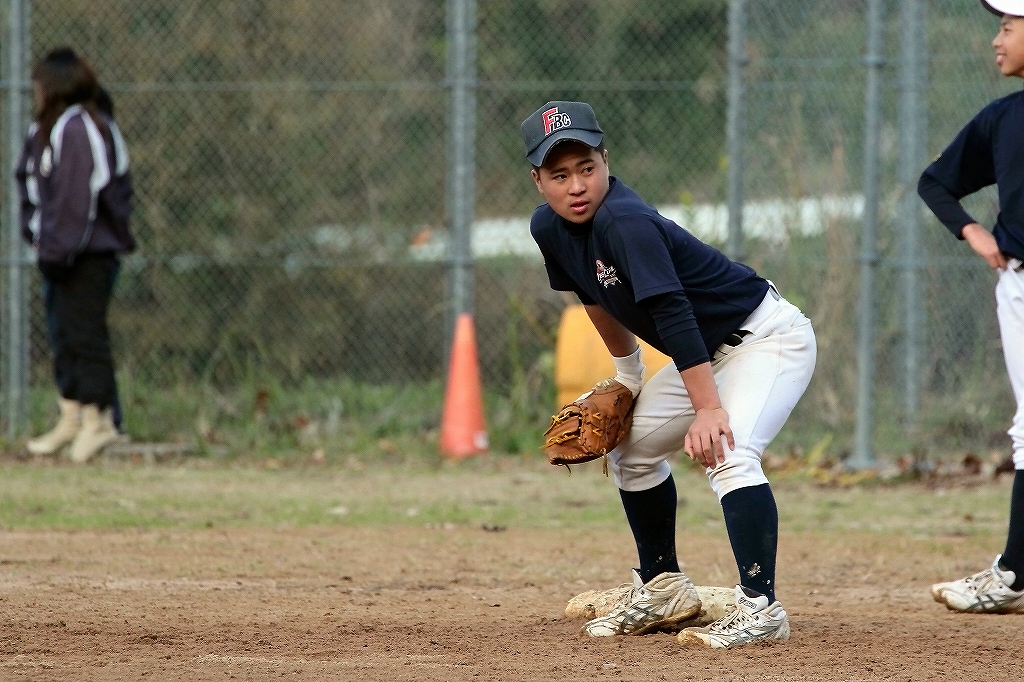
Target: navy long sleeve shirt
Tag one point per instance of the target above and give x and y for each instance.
(989, 150)
(663, 284)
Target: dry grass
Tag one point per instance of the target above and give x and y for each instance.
(498, 492)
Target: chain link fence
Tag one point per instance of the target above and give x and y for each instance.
(939, 383)
(292, 289)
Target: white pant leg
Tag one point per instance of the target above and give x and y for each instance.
(759, 382)
(661, 416)
(1010, 312)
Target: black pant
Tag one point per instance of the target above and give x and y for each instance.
(83, 362)
(51, 336)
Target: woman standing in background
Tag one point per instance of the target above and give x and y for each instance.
(76, 206)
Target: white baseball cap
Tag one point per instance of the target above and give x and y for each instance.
(1000, 7)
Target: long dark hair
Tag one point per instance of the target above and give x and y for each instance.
(65, 79)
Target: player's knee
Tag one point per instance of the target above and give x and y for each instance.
(638, 474)
(735, 473)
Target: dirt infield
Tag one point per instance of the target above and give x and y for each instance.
(204, 572)
(446, 602)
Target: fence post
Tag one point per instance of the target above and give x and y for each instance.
(15, 348)
(736, 126)
(461, 81)
(863, 449)
(912, 130)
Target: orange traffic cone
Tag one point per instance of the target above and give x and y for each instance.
(462, 418)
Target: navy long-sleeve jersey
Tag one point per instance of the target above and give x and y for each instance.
(989, 150)
(663, 284)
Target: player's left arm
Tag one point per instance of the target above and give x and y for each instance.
(647, 260)
(673, 316)
(703, 441)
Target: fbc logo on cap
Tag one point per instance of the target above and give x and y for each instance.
(557, 121)
(553, 120)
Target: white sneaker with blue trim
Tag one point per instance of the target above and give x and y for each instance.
(985, 592)
(663, 601)
(754, 620)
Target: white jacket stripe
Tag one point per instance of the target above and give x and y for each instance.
(57, 132)
(100, 165)
(120, 150)
(100, 177)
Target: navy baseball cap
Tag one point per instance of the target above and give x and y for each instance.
(556, 122)
(1015, 8)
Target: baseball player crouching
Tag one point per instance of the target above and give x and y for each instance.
(742, 356)
(990, 150)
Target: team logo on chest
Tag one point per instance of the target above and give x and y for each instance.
(606, 274)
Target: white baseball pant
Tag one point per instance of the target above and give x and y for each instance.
(759, 381)
(1010, 312)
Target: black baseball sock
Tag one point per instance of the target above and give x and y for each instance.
(1013, 555)
(652, 518)
(752, 520)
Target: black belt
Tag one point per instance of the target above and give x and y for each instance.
(736, 338)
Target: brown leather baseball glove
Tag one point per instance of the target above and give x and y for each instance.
(590, 426)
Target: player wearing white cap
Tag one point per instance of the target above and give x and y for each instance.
(990, 150)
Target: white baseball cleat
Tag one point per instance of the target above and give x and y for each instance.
(663, 601)
(754, 620)
(985, 592)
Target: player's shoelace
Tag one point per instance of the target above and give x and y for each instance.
(982, 582)
(631, 590)
(746, 627)
(629, 603)
(735, 621)
(627, 596)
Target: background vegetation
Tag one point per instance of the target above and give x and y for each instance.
(288, 154)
